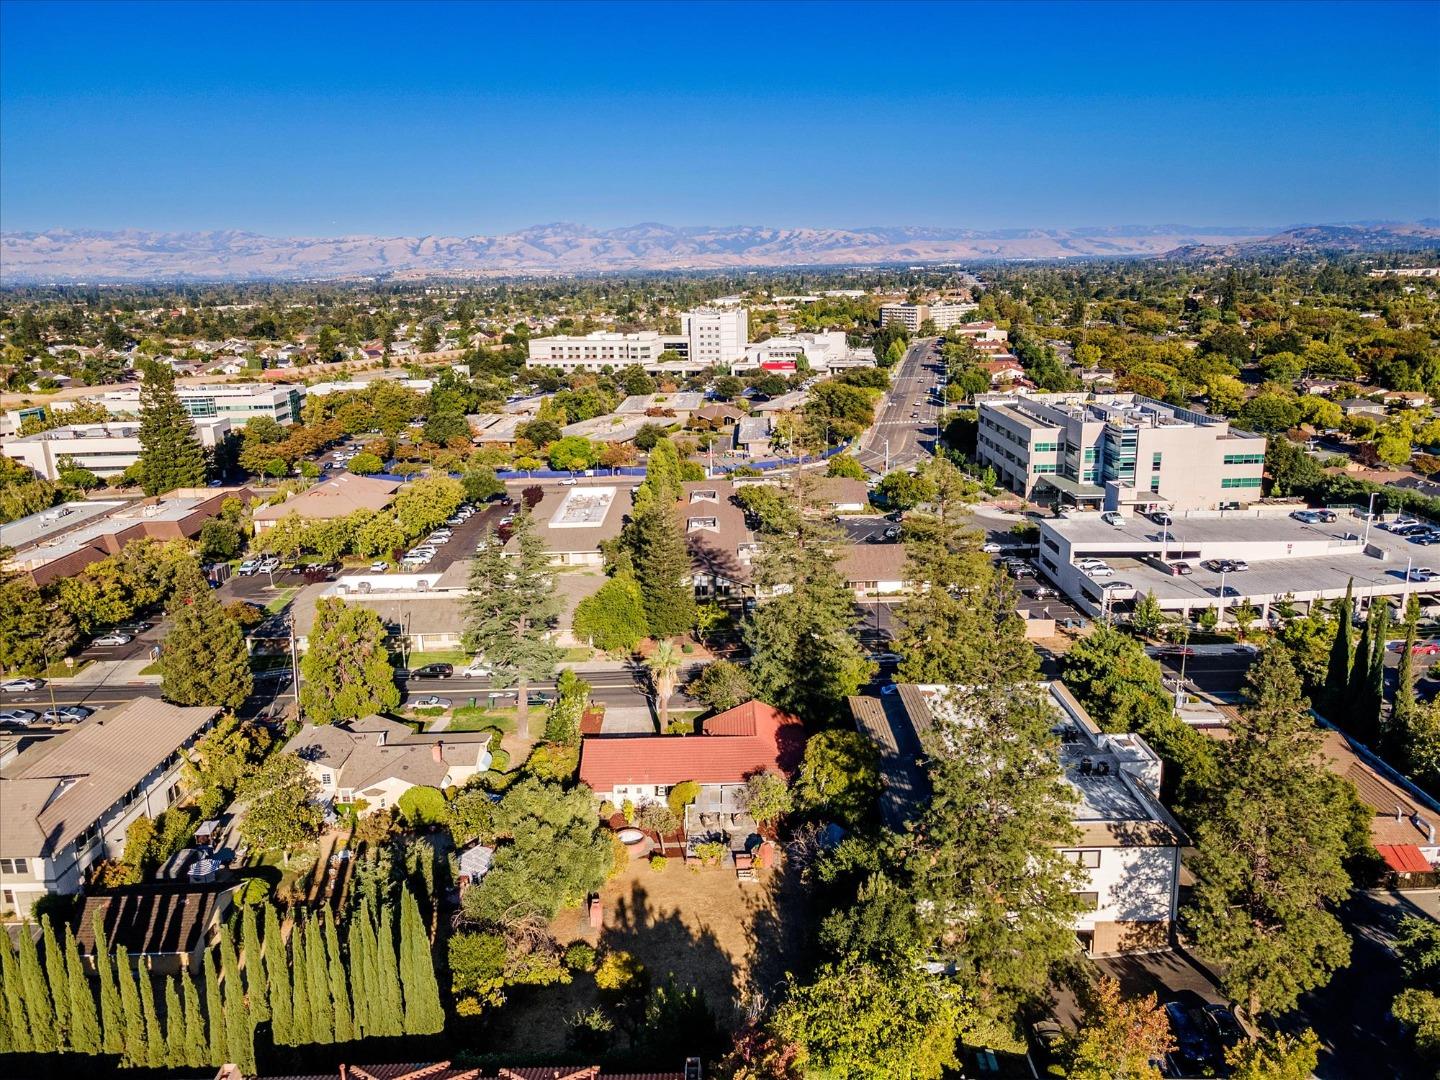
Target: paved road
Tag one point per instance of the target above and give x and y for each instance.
(904, 433)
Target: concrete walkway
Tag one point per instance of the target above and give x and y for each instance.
(112, 673)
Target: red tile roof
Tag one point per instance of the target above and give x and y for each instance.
(1404, 858)
(735, 744)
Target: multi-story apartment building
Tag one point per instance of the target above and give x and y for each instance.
(944, 314)
(1126, 842)
(238, 403)
(68, 801)
(1117, 449)
(105, 449)
(707, 338)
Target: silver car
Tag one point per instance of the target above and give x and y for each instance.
(19, 717)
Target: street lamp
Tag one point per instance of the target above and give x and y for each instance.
(1370, 516)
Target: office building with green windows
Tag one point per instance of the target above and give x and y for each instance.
(1117, 451)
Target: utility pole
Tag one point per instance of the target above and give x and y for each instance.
(294, 663)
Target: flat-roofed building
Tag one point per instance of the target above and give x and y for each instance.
(107, 449)
(68, 801)
(716, 336)
(1128, 845)
(237, 402)
(708, 337)
(572, 522)
(1117, 450)
(823, 353)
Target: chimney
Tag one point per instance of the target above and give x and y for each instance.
(437, 752)
(381, 740)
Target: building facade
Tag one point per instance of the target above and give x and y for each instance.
(708, 338)
(1122, 450)
(716, 335)
(105, 449)
(944, 315)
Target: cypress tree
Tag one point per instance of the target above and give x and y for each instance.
(39, 1006)
(112, 1022)
(386, 1008)
(1337, 676)
(194, 1023)
(84, 1024)
(154, 1037)
(1402, 712)
(339, 989)
(277, 973)
(57, 977)
(1375, 703)
(1357, 691)
(423, 1013)
(302, 1027)
(359, 938)
(257, 991)
(16, 1029)
(132, 1017)
(174, 1027)
(214, 1014)
(239, 1031)
(170, 454)
(317, 979)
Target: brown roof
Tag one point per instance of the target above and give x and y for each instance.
(715, 529)
(336, 498)
(354, 750)
(154, 920)
(444, 1070)
(52, 793)
(840, 490)
(872, 562)
(1395, 809)
(427, 613)
(579, 538)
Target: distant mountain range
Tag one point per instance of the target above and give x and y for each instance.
(562, 248)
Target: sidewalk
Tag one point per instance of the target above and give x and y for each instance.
(112, 673)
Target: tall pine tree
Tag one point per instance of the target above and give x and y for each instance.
(1375, 682)
(16, 1029)
(663, 568)
(170, 455)
(137, 1052)
(322, 1009)
(257, 993)
(195, 1048)
(302, 1018)
(39, 1006)
(423, 1012)
(1357, 690)
(56, 976)
(112, 1019)
(387, 1009)
(84, 1024)
(203, 660)
(339, 988)
(1337, 676)
(1402, 712)
(239, 1029)
(360, 939)
(174, 1027)
(154, 1037)
(277, 971)
(215, 1045)
(509, 611)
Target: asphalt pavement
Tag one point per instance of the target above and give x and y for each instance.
(905, 432)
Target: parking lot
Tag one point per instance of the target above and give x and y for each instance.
(870, 530)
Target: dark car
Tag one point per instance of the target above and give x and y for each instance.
(433, 671)
(539, 697)
(1222, 1027)
(1193, 1049)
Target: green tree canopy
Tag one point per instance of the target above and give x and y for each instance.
(346, 669)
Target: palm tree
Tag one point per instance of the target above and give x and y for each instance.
(664, 667)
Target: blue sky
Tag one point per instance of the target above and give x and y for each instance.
(410, 119)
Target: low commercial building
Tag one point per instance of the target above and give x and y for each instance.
(107, 450)
(63, 540)
(418, 611)
(338, 497)
(1128, 844)
(68, 801)
(1119, 450)
(237, 402)
(660, 408)
(823, 353)
(572, 522)
(377, 760)
(1290, 561)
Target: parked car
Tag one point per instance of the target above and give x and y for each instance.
(476, 669)
(379, 567)
(248, 567)
(1222, 1027)
(1182, 568)
(1420, 648)
(1239, 566)
(991, 548)
(1110, 586)
(65, 714)
(430, 701)
(1160, 517)
(1110, 517)
(1420, 573)
(1040, 592)
(268, 566)
(433, 671)
(1327, 516)
(1193, 1051)
(21, 686)
(113, 639)
(18, 717)
(1100, 571)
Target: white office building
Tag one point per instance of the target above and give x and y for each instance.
(708, 338)
(716, 336)
(238, 403)
(1119, 450)
(105, 449)
(944, 314)
(823, 353)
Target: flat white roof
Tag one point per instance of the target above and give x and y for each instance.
(583, 508)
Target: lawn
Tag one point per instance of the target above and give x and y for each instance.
(61, 670)
(281, 601)
(420, 659)
(478, 718)
(577, 654)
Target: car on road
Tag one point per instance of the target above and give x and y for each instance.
(569, 481)
(1110, 517)
(433, 671)
(65, 714)
(134, 627)
(113, 639)
(1420, 648)
(476, 669)
(1175, 650)
(18, 717)
(21, 686)
(430, 701)
(540, 697)
(991, 548)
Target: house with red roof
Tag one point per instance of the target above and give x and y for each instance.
(731, 747)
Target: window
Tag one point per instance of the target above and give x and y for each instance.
(1088, 858)
(1089, 901)
(14, 866)
(1044, 447)
(1052, 545)
(1155, 460)
(326, 778)
(9, 899)
(1240, 482)
(1244, 459)
(1042, 469)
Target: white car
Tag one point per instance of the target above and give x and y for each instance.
(248, 567)
(21, 686)
(476, 669)
(113, 639)
(268, 566)
(1086, 564)
(440, 541)
(1110, 517)
(569, 481)
(991, 548)
(1100, 571)
(379, 567)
